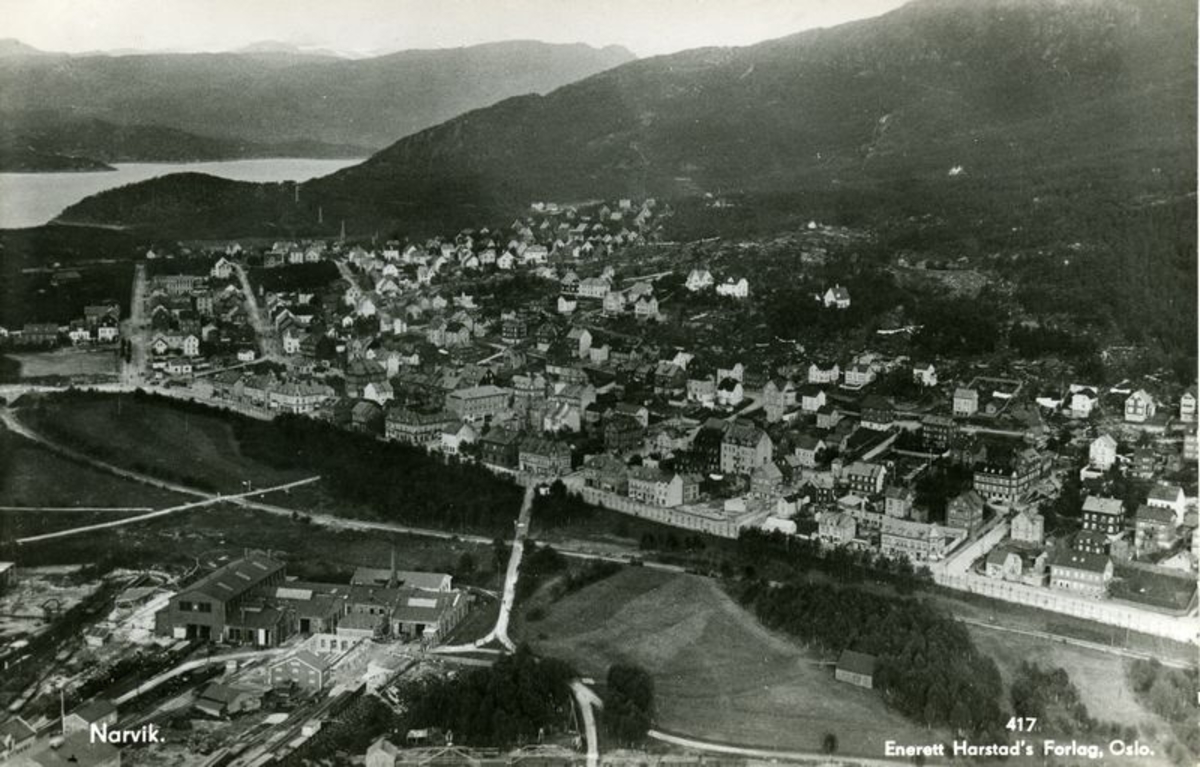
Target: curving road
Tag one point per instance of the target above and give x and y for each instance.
(766, 753)
(588, 701)
(499, 632)
(263, 329)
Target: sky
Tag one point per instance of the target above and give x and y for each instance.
(646, 27)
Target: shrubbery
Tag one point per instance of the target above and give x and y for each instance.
(628, 703)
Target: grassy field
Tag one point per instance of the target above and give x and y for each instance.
(148, 436)
(18, 524)
(33, 476)
(68, 362)
(1101, 678)
(719, 674)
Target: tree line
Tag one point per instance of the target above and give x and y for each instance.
(927, 668)
(397, 482)
(797, 556)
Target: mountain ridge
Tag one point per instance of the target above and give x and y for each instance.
(271, 97)
(1036, 97)
(46, 141)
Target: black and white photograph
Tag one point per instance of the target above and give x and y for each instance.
(626, 383)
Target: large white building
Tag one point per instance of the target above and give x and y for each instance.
(1102, 453)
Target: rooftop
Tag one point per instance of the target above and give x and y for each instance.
(236, 578)
(856, 662)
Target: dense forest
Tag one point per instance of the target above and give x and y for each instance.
(774, 552)
(399, 483)
(928, 668)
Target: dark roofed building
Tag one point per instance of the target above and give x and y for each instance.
(202, 610)
(501, 447)
(1080, 572)
(856, 668)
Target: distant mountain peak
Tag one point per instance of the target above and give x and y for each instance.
(10, 46)
(286, 48)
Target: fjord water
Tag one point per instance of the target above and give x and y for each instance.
(32, 199)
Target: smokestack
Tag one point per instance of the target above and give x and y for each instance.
(392, 578)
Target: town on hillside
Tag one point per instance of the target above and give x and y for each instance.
(578, 354)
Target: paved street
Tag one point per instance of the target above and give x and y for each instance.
(268, 343)
(136, 331)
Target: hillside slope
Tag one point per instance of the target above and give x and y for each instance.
(1028, 100)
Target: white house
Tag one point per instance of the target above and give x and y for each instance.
(1139, 407)
(1082, 401)
(1187, 406)
(730, 392)
(1102, 453)
(732, 289)
(222, 269)
(699, 279)
(824, 373)
(291, 343)
(836, 297)
(1168, 497)
(925, 374)
(594, 287)
(191, 346)
(858, 376)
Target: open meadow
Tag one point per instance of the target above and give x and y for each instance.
(33, 476)
(172, 443)
(719, 675)
(68, 362)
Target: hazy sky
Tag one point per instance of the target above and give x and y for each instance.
(646, 27)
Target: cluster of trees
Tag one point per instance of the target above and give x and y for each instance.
(357, 720)
(937, 486)
(669, 541)
(791, 308)
(628, 703)
(538, 564)
(515, 701)
(927, 667)
(590, 573)
(1038, 341)
(1170, 693)
(956, 326)
(399, 483)
(757, 548)
(307, 277)
(559, 508)
(1049, 695)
